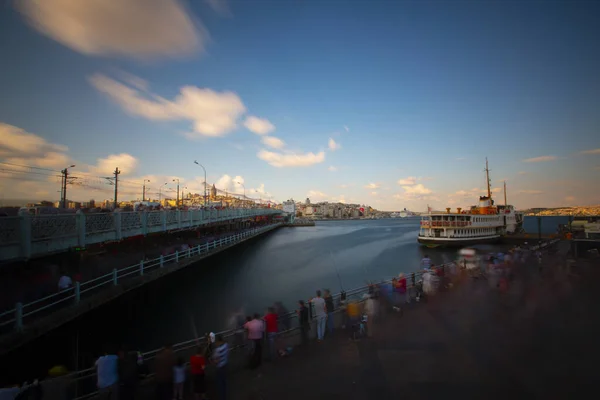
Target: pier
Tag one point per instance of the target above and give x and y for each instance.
(467, 341)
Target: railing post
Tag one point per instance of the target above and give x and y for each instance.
(77, 292)
(178, 211)
(144, 223)
(118, 230)
(162, 261)
(176, 256)
(198, 247)
(163, 220)
(189, 252)
(25, 233)
(115, 277)
(19, 317)
(142, 267)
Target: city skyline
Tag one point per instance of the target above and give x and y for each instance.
(391, 104)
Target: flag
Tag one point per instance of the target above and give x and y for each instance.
(428, 208)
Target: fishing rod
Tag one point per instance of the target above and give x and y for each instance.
(342, 292)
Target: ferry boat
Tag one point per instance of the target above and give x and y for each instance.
(484, 223)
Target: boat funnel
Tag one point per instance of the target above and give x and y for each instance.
(448, 210)
(458, 210)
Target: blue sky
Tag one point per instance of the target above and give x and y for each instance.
(415, 95)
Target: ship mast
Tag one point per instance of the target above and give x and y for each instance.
(505, 202)
(487, 178)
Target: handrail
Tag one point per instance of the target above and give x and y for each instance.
(27, 235)
(20, 311)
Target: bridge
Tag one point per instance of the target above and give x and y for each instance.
(26, 236)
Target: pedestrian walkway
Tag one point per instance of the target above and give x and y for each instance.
(469, 342)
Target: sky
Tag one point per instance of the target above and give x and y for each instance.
(394, 104)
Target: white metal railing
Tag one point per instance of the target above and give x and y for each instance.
(73, 295)
(26, 235)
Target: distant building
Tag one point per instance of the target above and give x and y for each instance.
(213, 192)
(307, 201)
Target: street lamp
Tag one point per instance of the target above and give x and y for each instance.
(144, 189)
(65, 173)
(240, 183)
(259, 197)
(160, 191)
(182, 195)
(197, 163)
(177, 202)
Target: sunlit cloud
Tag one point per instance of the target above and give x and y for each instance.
(260, 126)
(273, 142)
(411, 180)
(332, 168)
(211, 113)
(540, 159)
(372, 186)
(130, 28)
(282, 160)
(594, 151)
(333, 145)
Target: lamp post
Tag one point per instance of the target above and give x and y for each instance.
(204, 169)
(177, 201)
(182, 196)
(160, 191)
(240, 183)
(144, 189)
(259, 197)
(65, 173)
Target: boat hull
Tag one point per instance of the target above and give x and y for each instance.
(444, 242)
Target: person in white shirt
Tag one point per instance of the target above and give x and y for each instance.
(65, 282)
(320, 314)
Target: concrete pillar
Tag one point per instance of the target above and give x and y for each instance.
(25, 236)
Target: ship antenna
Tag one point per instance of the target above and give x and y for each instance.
(487, 176)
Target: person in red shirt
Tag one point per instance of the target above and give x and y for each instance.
(197, 365)
(271, 325)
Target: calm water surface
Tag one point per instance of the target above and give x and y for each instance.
(287, 265)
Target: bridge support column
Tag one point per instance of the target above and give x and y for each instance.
(77, 292)
(142, 267)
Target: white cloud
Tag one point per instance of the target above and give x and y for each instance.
(540, 159)
(374, 194)
(411, 180)
(372, 186)
(211, 113)
(231, 184)
(417, 189)
(531, 192)
(16, 142)
(259, 126)
(346, 128)
(273, 142)
(106, 166)
(282, 160)
(131, 28)
(522, 173)
(332, 168)
(594, 151)
(316, 196)
(333, 146)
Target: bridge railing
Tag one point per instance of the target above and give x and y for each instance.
(26, 235)
(17, 317)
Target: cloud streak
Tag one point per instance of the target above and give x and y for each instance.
(540, 159)
(285, 160)
(260, 126)
(130, 28)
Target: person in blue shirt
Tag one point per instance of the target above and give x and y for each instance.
(220, 357)
(108, 375)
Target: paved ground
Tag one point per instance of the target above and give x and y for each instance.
(537, 341)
